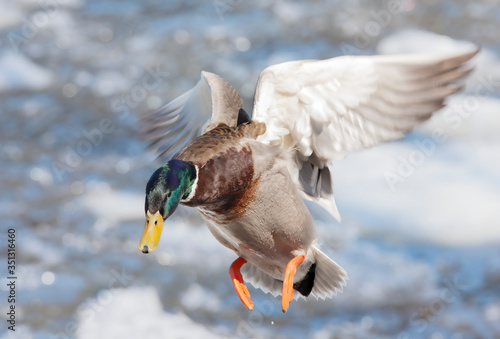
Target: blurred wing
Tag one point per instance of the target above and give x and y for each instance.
(323, 109)
(212, 101)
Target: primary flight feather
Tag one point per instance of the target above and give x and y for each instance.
(248, 178)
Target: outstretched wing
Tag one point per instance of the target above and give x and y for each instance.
(212, 101)
(323, 109)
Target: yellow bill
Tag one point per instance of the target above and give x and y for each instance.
(152, 232)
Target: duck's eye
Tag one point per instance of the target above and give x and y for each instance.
(156, 222)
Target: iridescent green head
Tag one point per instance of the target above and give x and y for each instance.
(168, 185)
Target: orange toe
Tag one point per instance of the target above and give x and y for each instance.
(239, 284)
(287, 293)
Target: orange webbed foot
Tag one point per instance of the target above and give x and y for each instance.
(287, 293)
(239, 284)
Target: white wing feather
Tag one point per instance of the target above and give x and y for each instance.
(323, 109)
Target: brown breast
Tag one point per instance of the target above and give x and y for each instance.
(227, 181)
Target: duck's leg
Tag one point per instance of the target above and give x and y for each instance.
(287, 293)
(239, 284)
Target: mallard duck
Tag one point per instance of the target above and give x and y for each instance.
(248, 178)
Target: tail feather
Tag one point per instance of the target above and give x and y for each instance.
(329, 278)
(262, 280)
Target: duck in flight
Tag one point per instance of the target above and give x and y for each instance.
(248, 177)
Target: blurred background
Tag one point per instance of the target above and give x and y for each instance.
(420, 232)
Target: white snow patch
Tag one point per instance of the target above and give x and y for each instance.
(198, 297)
(393, 280)
(111, 82)
(114, 206)
(19, 73)
(185, 243)
(450, 195)
(417, 41)
(138, 313)
(468, 117)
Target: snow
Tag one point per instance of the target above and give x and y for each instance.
(113, 206)
(137, 313)
(418, 41)
(17, 72)
(109, 83)
(418, 189)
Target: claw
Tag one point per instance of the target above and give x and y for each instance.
(239, 284)
(287, 293)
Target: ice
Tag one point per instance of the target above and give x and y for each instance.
(418, 41)
(198, 297)
(17, 72)
(109, 83)
(137, 313)
(416, 188)
(113, 206)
